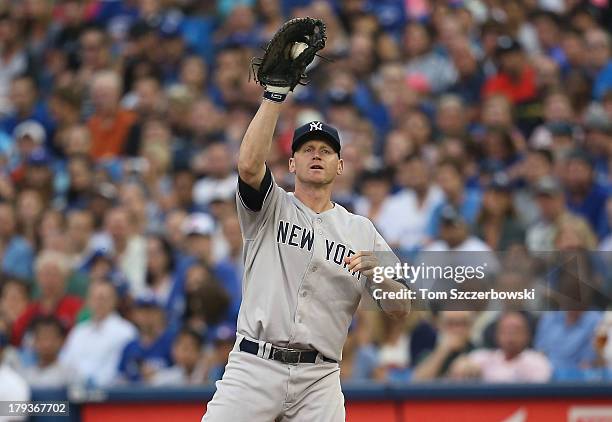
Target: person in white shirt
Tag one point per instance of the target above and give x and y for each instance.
(455, 235)
(220, 178)
(412, 208)
(375, 199)
(467, 251)
(94, 347)
(48, 371)
(12, 385)
(126, 245)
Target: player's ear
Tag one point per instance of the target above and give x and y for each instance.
(291, 165)
(340, 167)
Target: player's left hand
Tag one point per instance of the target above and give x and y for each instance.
(364, 262)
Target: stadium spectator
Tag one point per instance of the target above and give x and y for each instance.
(597, 139)
(422, 62)
(93, 347)
(94, 53)
(455, 234)
(206, 302)
(17, 254)
(600, 60)
(52, 273)
(199, 229)
(602, 342)
(511, 361)
(14, 59)
(48, 371)
(223, 339)
(375, 200)
(452, 340)
(535, 165)
(109, 124)
(515, 79)
(187, 356)
(401, 345)
(76, 141)
(451, 121)
(65, 109)
(14, 297)
(182, 189)
(29, 210)
(499, 149)
(360, 353)
(27, 107)
(219, 177)
(163, 280)
(127, 246)
(576, 329)
(232, 235)
(497, 223)
(150, 352)
(470, 75)
(418, 201)
(450, 177)
(81, 180)
(585, 197)
(29, 137)
(79, 231)
(12, 385)
(553, 211)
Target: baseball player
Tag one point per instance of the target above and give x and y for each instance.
(307, 261)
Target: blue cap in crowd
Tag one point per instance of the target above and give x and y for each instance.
(39, 158)
(147, 301)
(223, 332)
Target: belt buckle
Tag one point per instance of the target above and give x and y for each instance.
(290, 356)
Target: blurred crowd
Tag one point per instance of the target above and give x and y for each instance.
(467, 125)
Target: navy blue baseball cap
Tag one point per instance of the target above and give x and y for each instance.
(316, 130)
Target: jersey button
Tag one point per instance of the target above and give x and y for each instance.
(304, 293)
(314, 268)
(319, 220)
(321, 232)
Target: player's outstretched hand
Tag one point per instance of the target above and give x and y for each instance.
(364, 262)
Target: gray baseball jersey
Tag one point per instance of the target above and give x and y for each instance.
(297, 291)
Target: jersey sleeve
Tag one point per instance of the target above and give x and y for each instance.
(386, 258)
(255, 206)
(385, 254)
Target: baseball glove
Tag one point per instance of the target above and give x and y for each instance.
(291, 50)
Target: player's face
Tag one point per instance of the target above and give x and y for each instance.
(316, 163)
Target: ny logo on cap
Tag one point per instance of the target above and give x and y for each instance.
(316, 126)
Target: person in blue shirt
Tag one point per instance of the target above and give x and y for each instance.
(451, 179)
(599, 45)
(221, 339)
(470, 76)
(24, 94)
(16, 254)
(584, 196)
(566, 338)
(152, 349)
(199, 229)
(165, 279)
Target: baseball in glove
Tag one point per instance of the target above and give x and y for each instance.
(291, 50)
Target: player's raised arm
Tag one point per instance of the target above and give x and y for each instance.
(256, 144)
(281, 69)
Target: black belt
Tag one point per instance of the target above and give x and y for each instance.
(282, 354)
